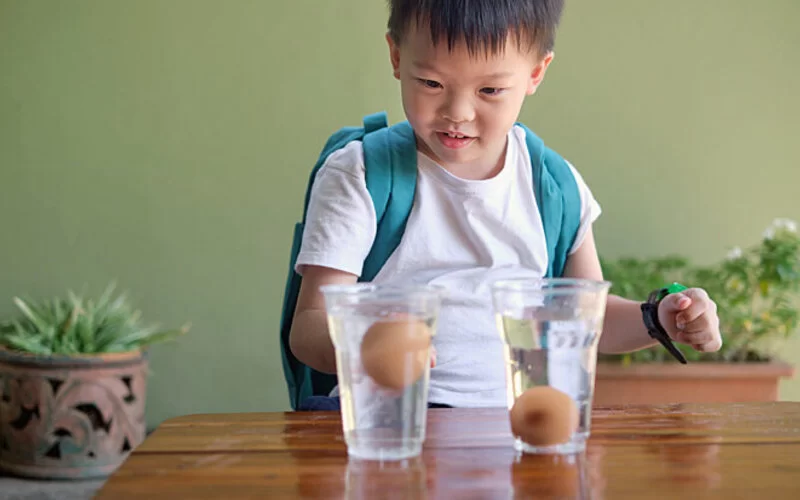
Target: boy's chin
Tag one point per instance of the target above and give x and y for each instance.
(469, 151)
(446, 157)
(456, 158)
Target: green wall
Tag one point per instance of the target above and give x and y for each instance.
(166, 144)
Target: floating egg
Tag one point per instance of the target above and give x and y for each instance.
(395, 352)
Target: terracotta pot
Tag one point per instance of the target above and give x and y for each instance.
(664, 383)
(70, 417)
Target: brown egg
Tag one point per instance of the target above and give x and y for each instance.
(544, 416)
(394, 353)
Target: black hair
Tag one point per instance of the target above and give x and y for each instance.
(484, 25)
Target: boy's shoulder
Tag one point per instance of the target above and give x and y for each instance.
(375, 142)
(348, 159)
(540, 152)
(530, 137)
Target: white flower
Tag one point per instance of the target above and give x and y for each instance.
(780, 224)
(787, 224)
(735, 253)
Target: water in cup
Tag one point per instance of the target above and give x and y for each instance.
(566, 362)
(551, 329)
(383, 339)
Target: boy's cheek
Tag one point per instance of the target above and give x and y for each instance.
(418, 106)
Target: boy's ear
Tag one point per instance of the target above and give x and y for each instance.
(537, 75)
(394, 55)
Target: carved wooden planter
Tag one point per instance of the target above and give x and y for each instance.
(70, 417)
(664, 383)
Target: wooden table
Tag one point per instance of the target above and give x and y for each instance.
(748, 450)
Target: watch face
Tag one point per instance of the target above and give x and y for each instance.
(675, 288)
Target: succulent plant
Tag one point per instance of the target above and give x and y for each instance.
(77, 325)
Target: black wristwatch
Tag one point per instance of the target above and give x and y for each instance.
(654, 327)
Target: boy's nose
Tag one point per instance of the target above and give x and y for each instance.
(458, 110)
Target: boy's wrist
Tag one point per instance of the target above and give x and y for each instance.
(652, 322)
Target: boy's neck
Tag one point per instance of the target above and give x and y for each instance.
(473, 171)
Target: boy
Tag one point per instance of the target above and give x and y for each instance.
(465, 68)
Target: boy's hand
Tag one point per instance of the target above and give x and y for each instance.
(690, 317)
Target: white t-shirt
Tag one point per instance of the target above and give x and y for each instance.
(462, 235)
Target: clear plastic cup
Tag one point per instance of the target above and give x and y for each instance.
(383, 337)
(551, 328)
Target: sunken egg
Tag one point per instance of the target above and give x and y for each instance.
(395, 352)
(544, 416)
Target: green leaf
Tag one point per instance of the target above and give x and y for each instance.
(82, 330)
(77, 302)
(134, 337)
(66, 328)
(164, 336)
(85, 335)
(29, 314)
(105, 297)
(26, 344)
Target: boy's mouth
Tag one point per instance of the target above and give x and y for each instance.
(454, 140)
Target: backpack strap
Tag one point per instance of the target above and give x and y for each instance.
(391, 174)
(558, 199)
(374, 122)
(390, 159)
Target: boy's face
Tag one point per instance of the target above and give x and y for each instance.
(462, 106)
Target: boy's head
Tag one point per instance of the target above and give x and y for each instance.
(465, 67)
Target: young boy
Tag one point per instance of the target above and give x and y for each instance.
(464, 70)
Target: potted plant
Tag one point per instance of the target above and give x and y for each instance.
(756, 290)
(72, 385)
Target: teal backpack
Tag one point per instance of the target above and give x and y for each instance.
(390, 158)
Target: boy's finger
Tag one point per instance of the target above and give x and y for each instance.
(712, 346)
(675, 302)
(699, 305)
(704, 323)
(695, 339)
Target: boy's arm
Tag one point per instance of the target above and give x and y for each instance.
(623, 329)
(689, 317)
(309, 339)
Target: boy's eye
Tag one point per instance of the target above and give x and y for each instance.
(491, 91)
(431, 84)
